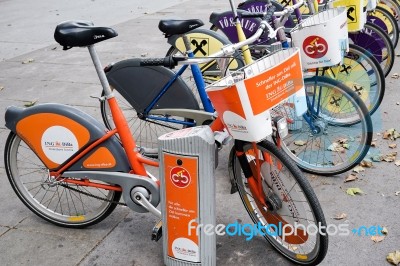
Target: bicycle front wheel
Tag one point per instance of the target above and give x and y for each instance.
(336, 132)
(58, 202)
(275, 194)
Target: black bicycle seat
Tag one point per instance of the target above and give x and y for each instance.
(81, 33)
(171, 27)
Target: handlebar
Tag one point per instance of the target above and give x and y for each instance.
(289, 9)
(228, 50)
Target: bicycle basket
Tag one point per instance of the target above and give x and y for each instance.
(243, 100)
(322, 38)
(356, 13)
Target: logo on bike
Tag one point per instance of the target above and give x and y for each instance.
(200, 46)
(180, 177)
(315, 46)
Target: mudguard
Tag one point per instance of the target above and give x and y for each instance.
(224, 22)
(205, 42)
(57, 132)
(140, 85)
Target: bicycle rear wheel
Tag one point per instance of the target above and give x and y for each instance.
(58, 202)
(335, 134)
(275, 192)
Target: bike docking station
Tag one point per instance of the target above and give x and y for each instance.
(187, 163)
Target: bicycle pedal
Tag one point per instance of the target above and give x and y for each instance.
(157, 231)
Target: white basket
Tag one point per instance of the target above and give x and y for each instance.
(244, 99)
(322, 38)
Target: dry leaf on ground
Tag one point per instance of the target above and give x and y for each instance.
(366, 163)
(393, 145)
(394, 257)
(377, 239)
(358, 169)
(395, 76)
(353, 191)
(300, 143)
(397, 193)
(29, 104)
(350, 178)
(340, 216)
(30, 60)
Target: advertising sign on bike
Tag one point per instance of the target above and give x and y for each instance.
(244, 100)
(356, 12)
(322, 38)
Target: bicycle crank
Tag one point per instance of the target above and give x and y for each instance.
(140, 193)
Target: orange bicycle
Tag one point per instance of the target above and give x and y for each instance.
(70, 170)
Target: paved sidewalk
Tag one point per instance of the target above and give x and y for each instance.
(123, 238)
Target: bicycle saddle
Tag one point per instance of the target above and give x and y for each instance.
(171, 27)
(81, 33)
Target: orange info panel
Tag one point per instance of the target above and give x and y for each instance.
(181, 184)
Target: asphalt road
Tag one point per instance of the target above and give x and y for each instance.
(53, 75)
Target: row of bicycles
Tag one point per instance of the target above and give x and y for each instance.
(285, 85)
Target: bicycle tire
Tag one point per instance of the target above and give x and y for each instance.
(60, 203)
(145, 131)
(391, 27)
(393, 7)
(361, 72)
(379, 45)
(345, 129)
(286, 184)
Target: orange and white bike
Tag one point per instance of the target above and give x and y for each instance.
(70, 170)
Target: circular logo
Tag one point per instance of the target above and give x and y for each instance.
(315, 46)
(59, 143)
(180, 177)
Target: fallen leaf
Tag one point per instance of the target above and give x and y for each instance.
(394, 257)
(353, 191)
(300, 143)
(397, 193)
(395, 76)
(333, 147)
(29, 104)
(377, 239)
(340, 216)
(366, 163)
(373, 144)
(1, 88)
(350, 178)
(30, 60)
(390, 134)
(358, 169)
(388, 158)
(393, 145)
(346, 146)
(342, 141)
(377, 158)
(397, 162)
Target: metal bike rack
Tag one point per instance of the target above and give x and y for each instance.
(187, 161)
